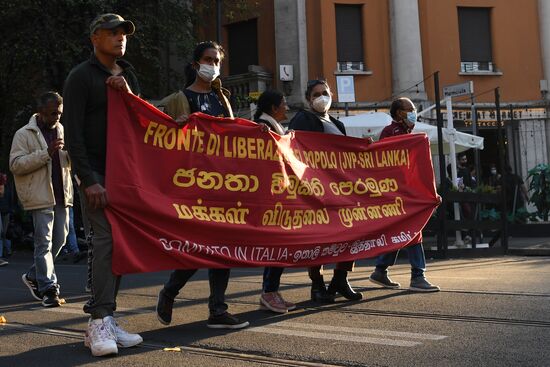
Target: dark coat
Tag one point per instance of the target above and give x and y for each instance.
(308, 121)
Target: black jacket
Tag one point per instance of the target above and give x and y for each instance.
(85, 115)
(308, 121)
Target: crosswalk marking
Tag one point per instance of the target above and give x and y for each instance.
(303, 330)
(332, 336)
(348, 334)
(343, 329)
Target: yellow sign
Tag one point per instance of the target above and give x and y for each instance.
(254, 95)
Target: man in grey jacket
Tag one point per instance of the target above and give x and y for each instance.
(42, 173)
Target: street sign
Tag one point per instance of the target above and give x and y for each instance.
(346, 88)
(461, 89)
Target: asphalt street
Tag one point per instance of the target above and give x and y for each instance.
(491, 312)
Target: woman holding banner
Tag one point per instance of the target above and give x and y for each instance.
(319, 98)
(271, 111)
(202, 93)
(403, 113)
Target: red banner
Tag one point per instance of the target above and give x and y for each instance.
(226, 193)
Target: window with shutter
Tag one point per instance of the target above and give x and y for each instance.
(475, 39)
(349, 37)
(243, 46)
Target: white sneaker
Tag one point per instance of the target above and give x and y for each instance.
(100, 337)
(124, 339)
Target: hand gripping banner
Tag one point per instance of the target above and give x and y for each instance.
(220, 193)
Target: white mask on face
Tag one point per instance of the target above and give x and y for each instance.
(322, 104)
(208, 72)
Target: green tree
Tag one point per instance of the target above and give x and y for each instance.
(42, 40)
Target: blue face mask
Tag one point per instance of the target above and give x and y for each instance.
(411, 117)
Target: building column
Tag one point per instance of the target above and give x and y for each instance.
(406, 49)
(291, 47)
(544, 22)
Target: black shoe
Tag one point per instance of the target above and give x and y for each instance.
(33, 287)
(319, 291)
(340, 284)
(63, 257)
(79, 256)
(381, 277)
(226, 321)
(164, 308)
(421, 284)
(51, 299)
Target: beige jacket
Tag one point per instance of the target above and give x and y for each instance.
(31, 166)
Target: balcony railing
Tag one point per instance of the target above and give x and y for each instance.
(240, 85)
(477, 67)
(350, 66)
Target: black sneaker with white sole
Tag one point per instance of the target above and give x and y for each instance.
(51, 299)
(33, 287)
(226, 321)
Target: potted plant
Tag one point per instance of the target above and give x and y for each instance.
(539, 187)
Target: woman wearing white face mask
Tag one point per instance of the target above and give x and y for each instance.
(203, 91)
(319, 97)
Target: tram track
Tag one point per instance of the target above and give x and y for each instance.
(342, 308)
(225, 354)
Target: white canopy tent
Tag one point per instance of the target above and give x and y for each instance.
(371, 125)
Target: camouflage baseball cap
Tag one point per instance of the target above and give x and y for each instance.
(110, 21)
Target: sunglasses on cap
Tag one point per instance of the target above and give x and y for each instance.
(313, 82)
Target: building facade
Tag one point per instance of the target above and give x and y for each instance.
(393, 47)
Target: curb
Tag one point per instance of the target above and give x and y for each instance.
(529, 251)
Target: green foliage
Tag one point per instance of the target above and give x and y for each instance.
(486, 189)
(43, 40)
(489, 214)
(540, 189)
(520, 216)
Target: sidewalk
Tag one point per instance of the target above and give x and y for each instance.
(529, 246)
(521, 246)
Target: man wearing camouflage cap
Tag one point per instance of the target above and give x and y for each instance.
(85, 119)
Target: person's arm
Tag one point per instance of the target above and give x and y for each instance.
(119, 82)
(22, 160)
(75, 94)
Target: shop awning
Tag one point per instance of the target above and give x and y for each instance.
(371, 125)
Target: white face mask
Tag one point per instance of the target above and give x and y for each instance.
(208, 72)
(321, 104)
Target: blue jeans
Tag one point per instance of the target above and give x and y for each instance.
(51, 226)
(272, 279)
(71, 245)
(416, 259)
(218, 279)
